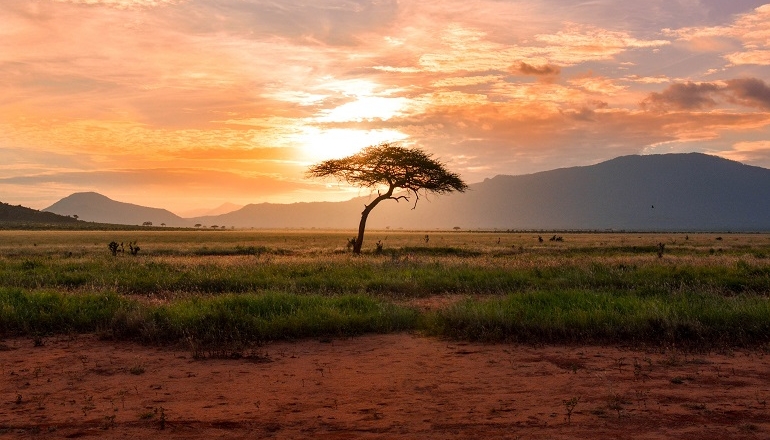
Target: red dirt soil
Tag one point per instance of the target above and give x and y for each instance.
(381, 386)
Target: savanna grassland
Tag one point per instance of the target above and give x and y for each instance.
(286, 334)
(229, 288)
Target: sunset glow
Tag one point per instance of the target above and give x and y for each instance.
(185, 104)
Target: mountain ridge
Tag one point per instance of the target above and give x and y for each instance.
(690, 191)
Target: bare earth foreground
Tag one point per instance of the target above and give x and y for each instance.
(392, 386)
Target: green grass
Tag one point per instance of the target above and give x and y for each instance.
(208, 320)
(223, 287)
(579, 316)
(47, 312)
(336, 274)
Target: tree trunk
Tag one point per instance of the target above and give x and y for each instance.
(364, 215)
(361, 227)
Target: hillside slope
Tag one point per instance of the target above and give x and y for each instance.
(22, 215)
(94, 207)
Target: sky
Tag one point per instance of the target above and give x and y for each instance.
(187, 104)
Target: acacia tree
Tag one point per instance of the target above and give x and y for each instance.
(390, 166)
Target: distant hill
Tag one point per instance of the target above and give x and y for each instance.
(671, 192)
(20, 215)
(94, 207)
(692, 192)
(324, 215)
(219, 210)
(688, 192)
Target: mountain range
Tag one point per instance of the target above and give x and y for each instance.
(671, 192)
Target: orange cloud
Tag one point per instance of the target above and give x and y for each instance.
(750, 152)
(598, 85)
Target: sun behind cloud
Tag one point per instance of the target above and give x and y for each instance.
(340, 129)
(317, 144)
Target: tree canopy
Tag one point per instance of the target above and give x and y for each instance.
(390, 166)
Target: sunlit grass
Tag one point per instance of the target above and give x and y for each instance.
(400, 274)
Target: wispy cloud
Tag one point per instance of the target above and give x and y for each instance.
(751, 30)
(123, 4)
(750, 152)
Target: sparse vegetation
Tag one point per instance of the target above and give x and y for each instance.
(161, 417)
(137, 370)
(569, 406)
